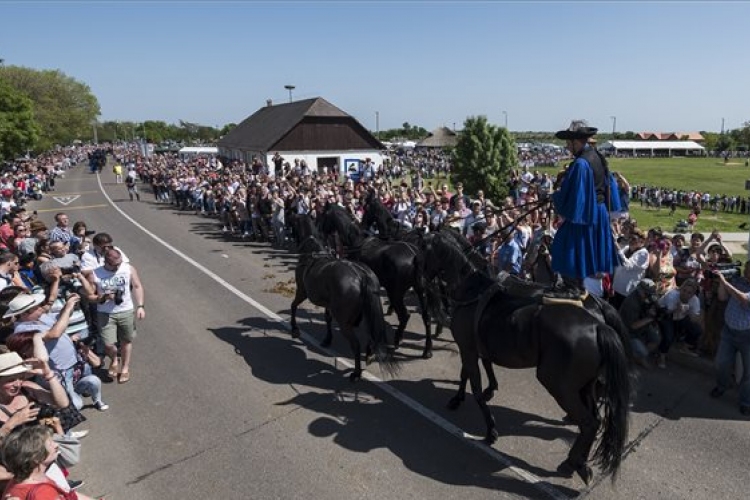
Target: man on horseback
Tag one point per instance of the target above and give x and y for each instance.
(583, 245)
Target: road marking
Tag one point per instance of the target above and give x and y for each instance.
(66, 200)
(55, 193)
(71, 208)
(430, 415)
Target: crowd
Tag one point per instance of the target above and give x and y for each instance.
(680, 278)
(68, 301)
(69, 298)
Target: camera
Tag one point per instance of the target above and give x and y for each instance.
(118, 296)
(728, 269)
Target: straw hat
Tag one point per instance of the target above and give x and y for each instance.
(12, 364)
(23, 302)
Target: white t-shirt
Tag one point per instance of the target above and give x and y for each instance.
(107, 281)
(671, 301)
(92, 259)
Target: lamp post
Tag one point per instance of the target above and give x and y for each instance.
(505, 116)
(290, 88)
(377, 124)
(614, 126)
(96, 138)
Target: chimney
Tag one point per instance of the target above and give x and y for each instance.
(269, 103)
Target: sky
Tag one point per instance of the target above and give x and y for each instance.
(657, 66)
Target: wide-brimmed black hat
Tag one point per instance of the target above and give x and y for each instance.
(578, 129)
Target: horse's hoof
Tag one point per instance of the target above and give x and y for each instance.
(454, 402)
(585, 473)
(566, 469)
(355, 376)
(295, 333)
(491, 437)
(488, 394)
(426, 354)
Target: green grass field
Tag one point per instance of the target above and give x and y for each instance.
(702, 174)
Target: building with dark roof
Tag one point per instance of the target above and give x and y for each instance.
(441, 137)
(312, 129)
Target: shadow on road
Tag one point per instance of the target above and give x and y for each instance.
(360, 420)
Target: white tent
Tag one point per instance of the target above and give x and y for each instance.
(653, 148)
(199, 150)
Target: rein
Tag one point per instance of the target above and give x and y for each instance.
(535, 205)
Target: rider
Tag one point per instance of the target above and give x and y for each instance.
(583, 245)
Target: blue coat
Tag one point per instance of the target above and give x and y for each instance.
(583, 245)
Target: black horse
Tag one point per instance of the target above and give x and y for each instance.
(303, 226)
(375, 214)
(398, 265)
(349, 293)
(580, 359)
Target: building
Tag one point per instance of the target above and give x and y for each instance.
(653, 148)
(670, 136)
(441, 137)
(313, 130)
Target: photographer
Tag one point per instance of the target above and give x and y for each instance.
(639, 311)
(682, 319)
(735, 336)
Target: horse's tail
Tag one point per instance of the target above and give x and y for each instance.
(377, 327)
(615, 401)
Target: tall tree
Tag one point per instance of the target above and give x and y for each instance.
(18, 130)
(483, 158)
(64, 108)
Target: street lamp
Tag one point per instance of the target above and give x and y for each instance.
(377, 124)
(96, 138)
(290, 88)
(614, 126)
(505, 115)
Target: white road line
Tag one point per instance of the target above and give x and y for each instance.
(430, 415)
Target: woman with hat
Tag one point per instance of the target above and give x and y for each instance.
(19, 396)
(583, 245)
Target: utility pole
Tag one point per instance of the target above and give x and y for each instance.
(505, 115)
(614, 126)
(377, 124)
(96, 138)
(722, 126)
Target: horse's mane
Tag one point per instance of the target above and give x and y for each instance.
(376, 211)
(471, 253)
(337, 219)
(451, 256)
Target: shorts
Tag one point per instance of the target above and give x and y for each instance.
(117, 327)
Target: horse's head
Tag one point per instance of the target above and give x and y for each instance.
(311, 245)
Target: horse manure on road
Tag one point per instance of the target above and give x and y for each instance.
(283, 289)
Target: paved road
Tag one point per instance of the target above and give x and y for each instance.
(224, 404)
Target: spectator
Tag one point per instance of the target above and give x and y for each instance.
(28, 454)
(682, 318)
(735, 337)
(9, 270)
(120, 297)
(633, 268)
(639, 314)
(62, 231)
(509, 255)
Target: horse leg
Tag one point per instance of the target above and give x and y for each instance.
(329, 329)
(299, 298)
(349, 333)
(427, 353)
(456, 400)
(492, 386)
(580, 405)
(475, 379)
(402, 314)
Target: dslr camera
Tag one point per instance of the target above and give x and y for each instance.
(118, 296)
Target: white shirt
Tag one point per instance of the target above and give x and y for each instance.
(630, 272)
(671, 301)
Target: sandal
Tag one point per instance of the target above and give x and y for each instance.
(114, 369)
(124, 378)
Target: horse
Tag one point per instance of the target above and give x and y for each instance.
(389, 228)
(303, 226)
(398, 265)
(349, 293)
(580, 359)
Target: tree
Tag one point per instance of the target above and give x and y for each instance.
(18, 130)
(483, 158)
(63, 108)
